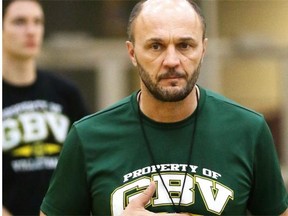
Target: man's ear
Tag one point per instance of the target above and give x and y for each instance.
(131, 52)
(205, 44)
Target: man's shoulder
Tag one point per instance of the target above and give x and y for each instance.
(119, 110)
(54, 79)
(231, 106)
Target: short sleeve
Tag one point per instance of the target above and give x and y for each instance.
(268, 195)
(68, 192)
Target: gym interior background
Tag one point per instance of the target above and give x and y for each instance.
(247, 58)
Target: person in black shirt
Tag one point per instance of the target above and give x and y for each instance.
(38, 110)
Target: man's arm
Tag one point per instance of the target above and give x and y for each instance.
(5, 212)
(137, 206)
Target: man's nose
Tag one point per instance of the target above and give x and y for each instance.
(171, 58)
(31, 28)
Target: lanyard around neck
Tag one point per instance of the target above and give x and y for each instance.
(176, 208)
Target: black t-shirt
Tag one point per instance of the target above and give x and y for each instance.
(36, 119)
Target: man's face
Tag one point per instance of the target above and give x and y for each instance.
(23, 29)
(168, 49)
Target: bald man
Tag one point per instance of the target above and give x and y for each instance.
(173, 147)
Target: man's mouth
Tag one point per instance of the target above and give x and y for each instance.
(171, 75)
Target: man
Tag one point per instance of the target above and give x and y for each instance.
(194, 151)
(38, 110)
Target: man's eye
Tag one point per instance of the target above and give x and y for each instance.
(156, 46)
(184, 46)
(19, 21)
(39, 21)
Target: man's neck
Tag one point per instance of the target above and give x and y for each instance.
(18, 72)
(168, 111)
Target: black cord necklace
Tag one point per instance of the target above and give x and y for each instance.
(177, 208)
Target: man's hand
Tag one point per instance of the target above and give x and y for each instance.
(137, 206)
(285, 213)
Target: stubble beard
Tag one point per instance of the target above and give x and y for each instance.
(171, 93)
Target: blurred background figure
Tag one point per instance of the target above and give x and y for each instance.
(38, 110)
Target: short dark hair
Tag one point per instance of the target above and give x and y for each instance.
(6, 3)
(138, 8)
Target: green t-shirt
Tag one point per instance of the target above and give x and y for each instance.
(233, 165)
